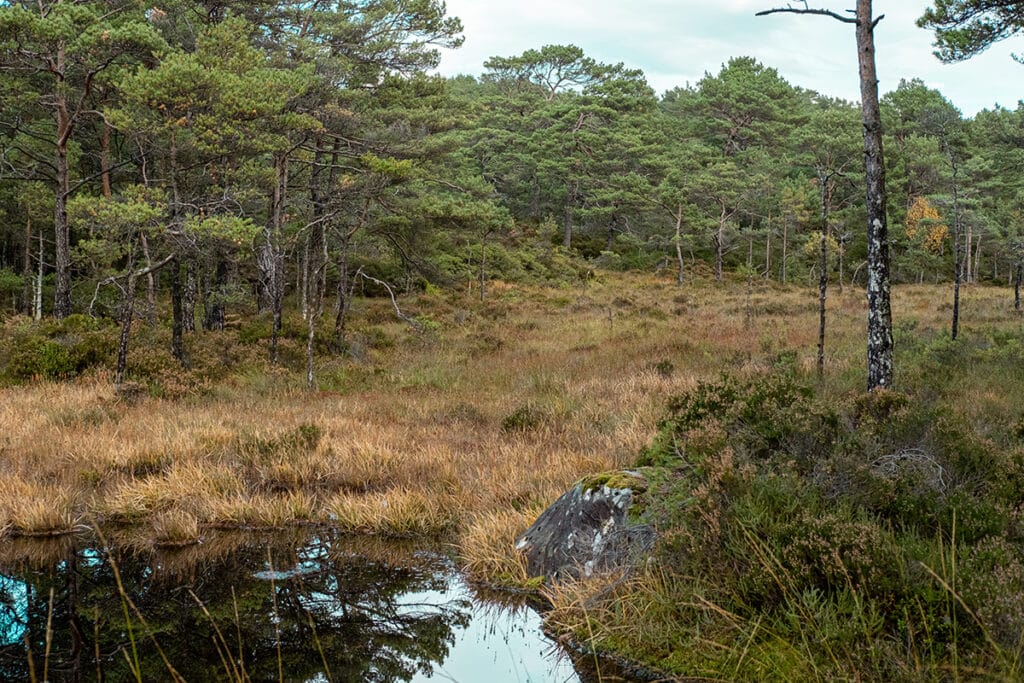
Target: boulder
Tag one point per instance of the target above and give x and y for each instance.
(592, 528)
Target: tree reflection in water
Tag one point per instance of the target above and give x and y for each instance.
(345, 610)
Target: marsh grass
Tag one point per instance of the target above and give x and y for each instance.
(474, 425)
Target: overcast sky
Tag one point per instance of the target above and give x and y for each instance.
(676, 42)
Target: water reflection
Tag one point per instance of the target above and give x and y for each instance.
(259, 608)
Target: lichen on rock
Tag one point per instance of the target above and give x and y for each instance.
(592, 528)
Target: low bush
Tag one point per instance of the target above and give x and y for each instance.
(54, 349)
(872, 538)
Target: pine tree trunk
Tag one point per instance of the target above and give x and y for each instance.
(277, 257)
(747, 313)
(977, 260)
(968, 250)
(213, 320)
(822, 301)
(188, 299)
(483, 269)
(62, 233)
(150, 283)
(680, 273)
(785, 248)
(880, 339)
(1016, 284)
(570, 208)
(105, 160)
(26, 271)
(719, 239)
(957, 265)
(127, 313)
(40, 276)
(178, 315)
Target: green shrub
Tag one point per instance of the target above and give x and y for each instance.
(55, 350)
(525, 418)
(878, 534)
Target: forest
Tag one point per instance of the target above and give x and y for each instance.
(260, 266)
(282, 155)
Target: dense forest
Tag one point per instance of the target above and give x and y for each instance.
(236, 157)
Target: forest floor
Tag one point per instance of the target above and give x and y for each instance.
(469, 427)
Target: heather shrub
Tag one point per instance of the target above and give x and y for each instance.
(816, 534)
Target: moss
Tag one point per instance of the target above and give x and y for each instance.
(615, 480)
(635, 480)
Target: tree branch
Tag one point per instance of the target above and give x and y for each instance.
(807, 10)
(131, 278)
(394, 302)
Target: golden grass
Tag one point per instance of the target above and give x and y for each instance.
(416, 437)
(488, 547)
(394, 513)
(175, 528)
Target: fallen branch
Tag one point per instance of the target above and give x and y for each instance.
(394, 302)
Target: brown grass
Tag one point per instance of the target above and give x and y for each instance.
(416, 437)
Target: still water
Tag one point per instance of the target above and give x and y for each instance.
(260, 607)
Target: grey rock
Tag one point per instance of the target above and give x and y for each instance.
(589, 529)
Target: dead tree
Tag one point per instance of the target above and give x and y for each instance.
(880, 342)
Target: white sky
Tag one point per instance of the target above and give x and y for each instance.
(676, 42)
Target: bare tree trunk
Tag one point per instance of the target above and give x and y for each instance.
(880, 340)
(826, 206)
(26, 270)
(1016, 284)
(303, 283)
(957, 266)
(272, 258)
(842, 254)
(188, 299)
(315, 313)
(822, 301)
(968, 252)
(570, 207)
(178, 315)
(105, 159)
(750, 282)
(977, 259)
(785, 248)
(483, 268)
(768, 248)
(127, 313)
(40, 276)
(62, 233)
(680, 273)
(150, 283)
(719, 240)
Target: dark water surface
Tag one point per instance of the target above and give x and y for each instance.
(260, 607)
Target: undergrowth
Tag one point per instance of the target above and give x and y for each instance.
(809, 537)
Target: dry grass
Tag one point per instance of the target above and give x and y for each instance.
(418, 436)
(398, 513)
(175, 528)
(488, 547)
